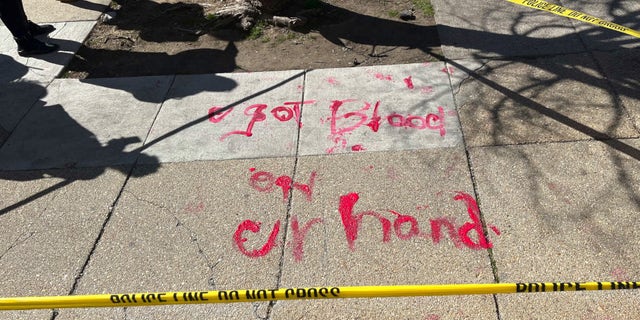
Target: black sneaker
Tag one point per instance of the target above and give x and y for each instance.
(38, 30)
(30, 46)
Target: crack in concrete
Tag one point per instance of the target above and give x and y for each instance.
(456, 91)
(474, 183)
(17, 242)
(256, 307)
(288, 210)
(193, 237)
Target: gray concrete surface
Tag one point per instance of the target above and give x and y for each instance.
(23, 79)
(173, 230)
(569, 211)
(378, 108)
(50, 221)
(561, 98)
(58, 11)
(410, 189)
(539, 150)
(226, 116)
(86, 124)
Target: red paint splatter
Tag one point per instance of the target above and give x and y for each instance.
(256, 116)
(381, 76)
(405, 227)
(358, 147)
(284, 182)
(249, 225)
(215, 116)
(448, 70)
(436, 234)
(430, 121)
(351, 222)
(307, 189)
(408, 82)
(427, 89)
(391, 173)
(252, 169)
(374, 124)
(262, 181)
(620, 275)
(332, 80)
(282, 113)
(194, 208)
(356, 119)
(299, 235)
(475, 225)
(265, 181)
(414, 230)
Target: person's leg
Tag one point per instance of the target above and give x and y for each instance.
(13, 16)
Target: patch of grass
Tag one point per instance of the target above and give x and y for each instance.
(393, 13)
(424, 6)
(257, 31)
(284, 37)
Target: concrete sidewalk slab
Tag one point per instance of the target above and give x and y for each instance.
(483, 29)
(226, 116)
(568, 212)
(48, 227)
(44, 68)
(383, 218)
(381, 108)
(23, 80)
(562, 98)
(86, 123)
(177, 230)
(621, 69)
(624, 13)
(17, 96)
(57, 11)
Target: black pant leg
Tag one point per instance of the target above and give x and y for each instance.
(13, 16)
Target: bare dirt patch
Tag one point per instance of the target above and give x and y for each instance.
(169, 37)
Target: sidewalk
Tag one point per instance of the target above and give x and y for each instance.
(513, 161)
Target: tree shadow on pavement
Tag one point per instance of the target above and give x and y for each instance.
(510, 104)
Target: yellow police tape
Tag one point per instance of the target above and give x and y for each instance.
(572, 14)
(228, 296)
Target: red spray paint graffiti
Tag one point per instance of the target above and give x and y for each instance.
(264, 181)
(408, 82)
(343, 119)
(405, 227)
(346, 123)
(256, 113)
